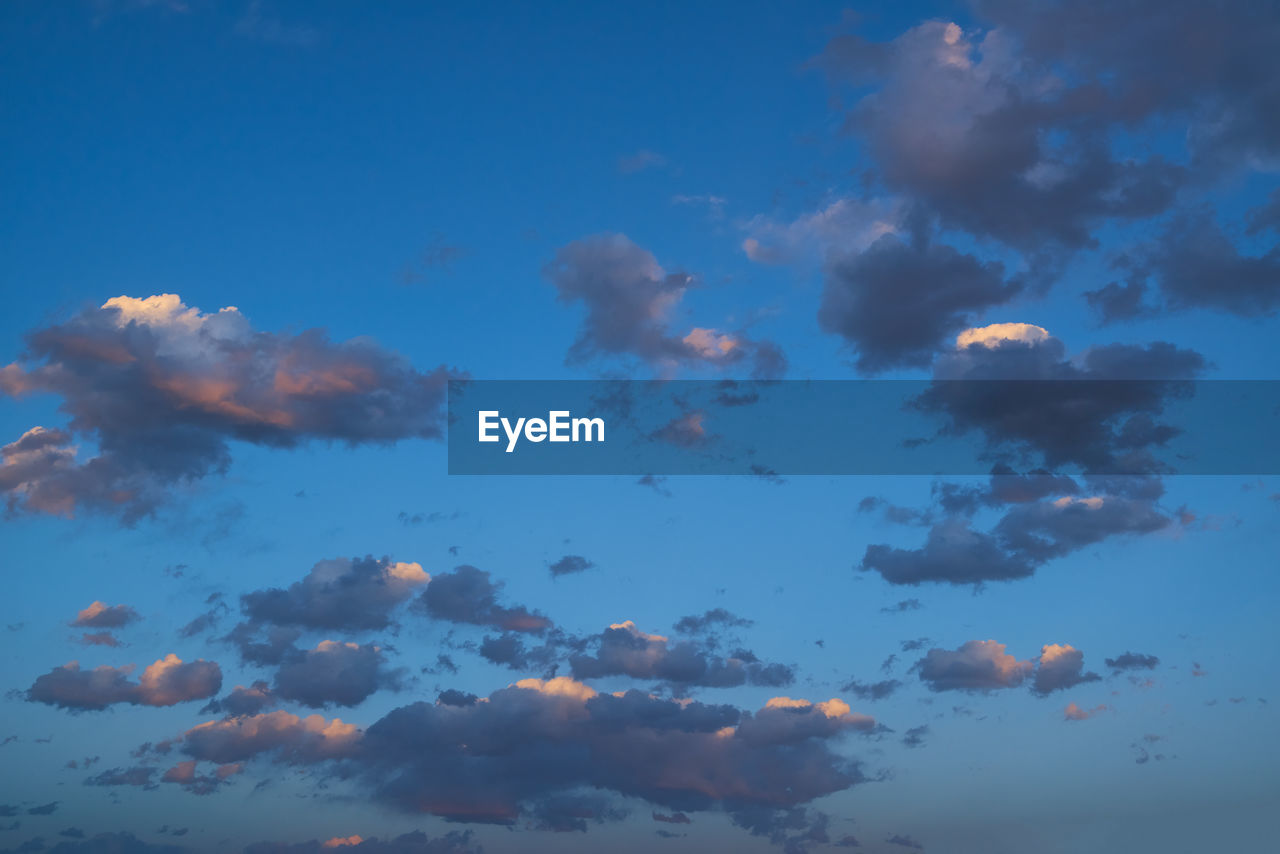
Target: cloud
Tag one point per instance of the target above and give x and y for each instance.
(915, 736)
(165, 683)
(975, 666)
(845, 224)
(341, 594)
(710, 620)
(1045, 517)
(1074, 713)
(570, 564)
(991, 141)
(1140, 60)
(467, 595)
(490, 761)
(244, 701)
(629, 299)
(99, 616)
(624, 650)
(896, 302)
(639, 161)
(871, 690)
(1075, 413)
(285, 736)
(101, 843)
(185, 774)
(1059, 667)
(1198, 267)
(953, 553)
(100, 639)
(1132, 661)
(415, 842)
(183, 385)
(141, 776)
(342, 674)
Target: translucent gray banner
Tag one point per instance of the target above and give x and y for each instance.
(863, 427)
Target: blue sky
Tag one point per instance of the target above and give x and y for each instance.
(590, 191)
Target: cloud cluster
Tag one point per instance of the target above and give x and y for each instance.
(1014, 384)
(163, 388)
(624, 650)
(166, 682)
(1099, 411)
(629, 299)
(531, 749)
(339, 594)
(984, 666)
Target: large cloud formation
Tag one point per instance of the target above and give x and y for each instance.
(511, 754)
(165, 683)
(1100, 411)
(1031, 132)
(629, 298)
(163, 388)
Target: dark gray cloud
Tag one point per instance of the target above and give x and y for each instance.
(243, 701)
(953, 553)
(165, 683)
(915, 736)
(1060, 666)
(984, 666)
(334, 673)
(710, 620)
(1098, 410)
(1213, 67)
(871, 690)
(416, 842)
(1132, 661)
(490, 761)
(570, 564)
(468, 595)
(162, 388)
(896, 302)
(1033, 531)
(349, 594)
(1198, 266)
(977, 666)
(141, 776)
(100, 639)
(101, 843)
(1266, 217)
(572, 812)
(983, 131)
(629, 299)
(624, 650)
(531, 751)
